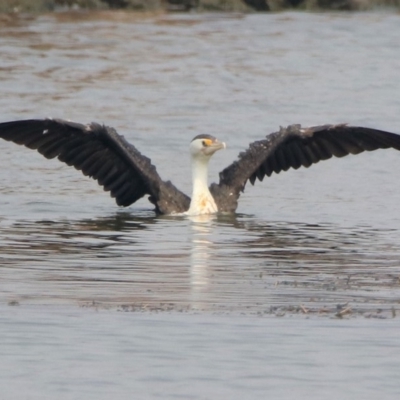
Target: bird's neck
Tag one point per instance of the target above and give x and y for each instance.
(202, 201)
(199, 175)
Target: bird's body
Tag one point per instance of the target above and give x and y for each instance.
(102, 154)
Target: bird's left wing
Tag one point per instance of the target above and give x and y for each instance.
(102, 154)
(293, 147)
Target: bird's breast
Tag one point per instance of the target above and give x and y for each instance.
(202, 204)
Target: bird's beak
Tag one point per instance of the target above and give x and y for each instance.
(213, 147)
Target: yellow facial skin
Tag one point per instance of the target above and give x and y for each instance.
(207, 142)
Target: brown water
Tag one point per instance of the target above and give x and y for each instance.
(320, 242)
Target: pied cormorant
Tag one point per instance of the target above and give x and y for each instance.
(102, 154)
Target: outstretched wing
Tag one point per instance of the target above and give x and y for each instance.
(100, 153)
(293, 147)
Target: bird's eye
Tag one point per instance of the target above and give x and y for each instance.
(207, 142)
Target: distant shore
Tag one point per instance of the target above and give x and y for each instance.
(40, 6)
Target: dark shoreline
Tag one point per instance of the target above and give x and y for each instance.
(41, 6)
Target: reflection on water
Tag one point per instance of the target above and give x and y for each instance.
(201, 251)
(219, 264)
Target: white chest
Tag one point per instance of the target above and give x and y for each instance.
(202, 204)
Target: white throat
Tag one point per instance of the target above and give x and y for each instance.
(202, 201)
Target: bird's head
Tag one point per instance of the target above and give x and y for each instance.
(204, 146)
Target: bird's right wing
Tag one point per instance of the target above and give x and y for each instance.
(293, 147)
(100, 153)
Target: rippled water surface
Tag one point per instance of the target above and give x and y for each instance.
(321, 242)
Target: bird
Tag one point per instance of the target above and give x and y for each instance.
(106, 156)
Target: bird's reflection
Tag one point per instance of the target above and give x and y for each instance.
(201, 251)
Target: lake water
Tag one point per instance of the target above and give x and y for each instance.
(297, 296)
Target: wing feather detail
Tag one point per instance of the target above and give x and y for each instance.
(102, 154)
(294, 147)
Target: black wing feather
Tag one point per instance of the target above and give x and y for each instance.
(100, 153)
(293, 147)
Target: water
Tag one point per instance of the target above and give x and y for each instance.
(186, 307)
(78, 354)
